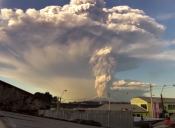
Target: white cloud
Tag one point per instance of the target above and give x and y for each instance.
(42, 47)
(130, 85)
(124, 90)
(165, 16)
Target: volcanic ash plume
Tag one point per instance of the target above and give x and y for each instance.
(104, 66)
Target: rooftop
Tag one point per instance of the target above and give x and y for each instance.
(158, 99)
(2, 83)
(130, 107)
(9, 85)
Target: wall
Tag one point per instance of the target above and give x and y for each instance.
(117, 119)
(13, 98)
(169, 110)
(145, 115)
(156, 109)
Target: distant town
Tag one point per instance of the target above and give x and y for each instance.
(13, 99)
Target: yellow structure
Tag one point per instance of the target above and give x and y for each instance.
(143, 104)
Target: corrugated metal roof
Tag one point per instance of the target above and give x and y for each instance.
(158, 99)
(133, 108)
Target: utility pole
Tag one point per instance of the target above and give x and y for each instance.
(151, 101)
(58, 103)
(59, 100)
(109, 101)
(163, 110)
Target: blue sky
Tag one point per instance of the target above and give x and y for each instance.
(160, 72)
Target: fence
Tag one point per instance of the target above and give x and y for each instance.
(116, 119)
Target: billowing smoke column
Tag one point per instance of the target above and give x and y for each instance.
(104, 67)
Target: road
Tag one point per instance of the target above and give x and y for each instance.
(14, 120)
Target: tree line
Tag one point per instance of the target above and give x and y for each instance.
(46, 96)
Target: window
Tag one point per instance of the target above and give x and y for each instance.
(134, 115)
(170, 114)
(170, 107)
(174, 107)
(138, 115)
(144, 106)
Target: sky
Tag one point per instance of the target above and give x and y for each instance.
(89, 47)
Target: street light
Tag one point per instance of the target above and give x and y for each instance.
(62, 95)
(59, 102)
(163, 88)
(162, 102)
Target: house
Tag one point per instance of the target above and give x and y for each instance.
(137, 111)
(145, 103)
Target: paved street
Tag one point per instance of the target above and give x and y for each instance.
(25, 121)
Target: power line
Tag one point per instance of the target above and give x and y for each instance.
(82, 99)
(139, 91)
(130, 92)
(162, 86)
(123, 93)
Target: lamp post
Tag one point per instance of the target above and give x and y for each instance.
(162, 102)
(151, 99)
(59, 100)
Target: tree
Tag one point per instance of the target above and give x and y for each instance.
(54, 99)
(46, 96)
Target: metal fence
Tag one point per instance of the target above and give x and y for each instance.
(116, 119)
